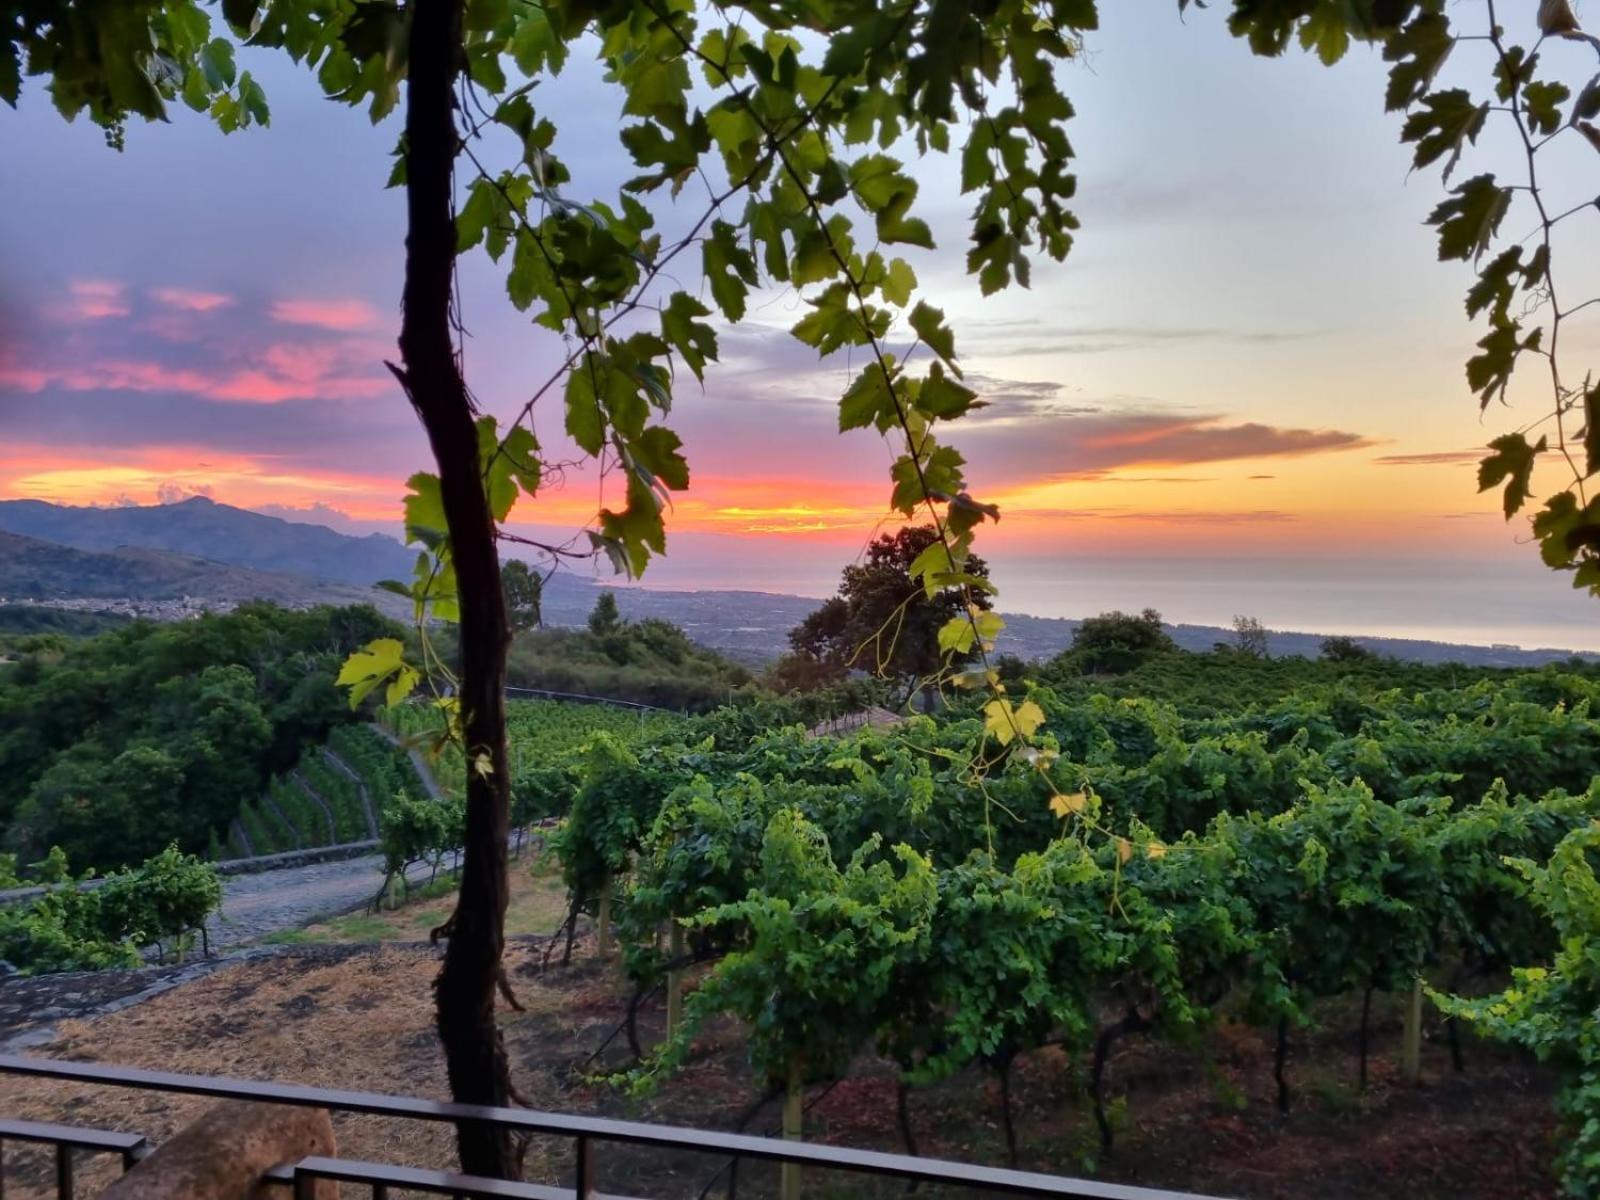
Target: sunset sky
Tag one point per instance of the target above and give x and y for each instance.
(1250, 354)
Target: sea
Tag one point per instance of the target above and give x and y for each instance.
(1512, 601)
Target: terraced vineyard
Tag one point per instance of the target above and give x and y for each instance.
(540, 734)
(332, 796)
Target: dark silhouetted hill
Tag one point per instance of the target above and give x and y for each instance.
(204, 529)
(34, 569)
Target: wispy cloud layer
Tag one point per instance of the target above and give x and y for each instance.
(188, 300)
(1435, 458)
(338, 315)
(95, 299)
(1088, 444)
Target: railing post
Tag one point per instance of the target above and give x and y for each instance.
(583, 1183)
(63, 1172)
(793, 1114)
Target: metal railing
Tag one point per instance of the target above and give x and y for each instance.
(585, 1133)
(579, 698)
(65, 1139)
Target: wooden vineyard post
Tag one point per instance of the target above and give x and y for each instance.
(675, 948)
(604, 918)
(1411, 1043)
(793, 1111)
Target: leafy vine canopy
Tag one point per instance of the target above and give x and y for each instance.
(774, 145)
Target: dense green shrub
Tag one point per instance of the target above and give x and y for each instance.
(419, 831)
(162, 902)
(1115, 642)
(1554, 1010)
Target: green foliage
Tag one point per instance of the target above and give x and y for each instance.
(1551, 1009)
(826, 947)
(604, 620)
(419, 830)
(83, 928)
(1341, 834)
(885, 622)
(132, 58)
(523, 589)
(547, 739)
(53, 868)
(1250, 637)
(317, 803)
(614, 804)
(791, 139)
(23, 626)
(113, 746)
(1341, 649)
(162, 898)
(1115, 642)
(644, 662)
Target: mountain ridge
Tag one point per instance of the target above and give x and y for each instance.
(203, 528)
(36, 569)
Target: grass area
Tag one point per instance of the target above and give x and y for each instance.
(538, 905)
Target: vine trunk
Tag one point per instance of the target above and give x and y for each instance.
(465, 990)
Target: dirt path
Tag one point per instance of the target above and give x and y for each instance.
(254, 906)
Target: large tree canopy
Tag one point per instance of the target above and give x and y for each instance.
(883, 621)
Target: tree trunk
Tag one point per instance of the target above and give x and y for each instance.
(1004, 1071)
(1366, 1024)
(793, 1125)
(1280, 1057)
(902, 1101)
(465, 991)
(1411, 1045)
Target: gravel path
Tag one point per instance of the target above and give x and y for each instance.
(256, 905)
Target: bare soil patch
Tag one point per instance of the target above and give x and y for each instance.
(538, 905)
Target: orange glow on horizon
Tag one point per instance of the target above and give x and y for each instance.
(1290, 505)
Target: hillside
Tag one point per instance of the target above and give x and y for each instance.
(28, 620)
(34, 569)
(218, 532)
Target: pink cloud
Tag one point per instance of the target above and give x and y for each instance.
(96, 299)
(279, 373)
(15, 376)
(265, 387)
(190, 301)
(130, 375)
(342, 315)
